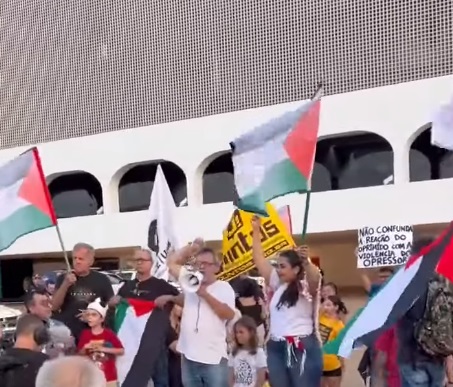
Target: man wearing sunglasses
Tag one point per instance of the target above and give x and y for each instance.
(147, 287)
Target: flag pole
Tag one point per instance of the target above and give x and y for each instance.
(308, 194)
(307, 209)
(65, 254)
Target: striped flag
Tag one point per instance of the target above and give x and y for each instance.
(142, 329)
(396, 297)
(25, 203)
(276, 158)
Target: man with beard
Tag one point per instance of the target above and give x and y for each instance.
(147, 287)
(75, 290)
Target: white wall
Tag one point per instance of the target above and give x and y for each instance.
(398, 113)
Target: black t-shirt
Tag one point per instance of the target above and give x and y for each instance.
(85, 290)
(19, 367)
(149, 289)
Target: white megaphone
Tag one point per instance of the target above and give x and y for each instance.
(191, 281)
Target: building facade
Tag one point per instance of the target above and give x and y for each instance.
(374, 165)
(109, 89)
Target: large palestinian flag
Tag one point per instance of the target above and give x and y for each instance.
(25, 204)
(276, 158)
(396, 297)
(142, 329)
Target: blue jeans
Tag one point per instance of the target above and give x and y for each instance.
(308, 374)
(422, 374)
(196, 374)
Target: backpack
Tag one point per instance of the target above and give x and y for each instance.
(434, 332)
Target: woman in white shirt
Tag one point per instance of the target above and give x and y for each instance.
(294, 355)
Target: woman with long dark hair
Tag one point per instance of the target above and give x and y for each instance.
(294, 346)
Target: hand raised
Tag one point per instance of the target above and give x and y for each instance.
(256, 222)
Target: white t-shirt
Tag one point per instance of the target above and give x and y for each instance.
(294, 321)
(202, 335)
(246, 366)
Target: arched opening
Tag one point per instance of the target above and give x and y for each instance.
(353, 161)
(428, 162)
(218, 180)
(75, 194)
(134, 189)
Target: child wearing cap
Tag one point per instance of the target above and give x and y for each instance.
(100, 344)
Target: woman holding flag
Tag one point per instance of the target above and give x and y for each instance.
(294, 348)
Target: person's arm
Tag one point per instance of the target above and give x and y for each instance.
(260, 368)
(173, 345)
(449, 369)
(222, 303)
(312, 273)
(262, 264)
(116, 349)
(64, 282)
(366, 282)
(260, 377)
(231, 371)
(179, 258)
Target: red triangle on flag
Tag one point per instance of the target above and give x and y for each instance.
(34, 188)
(141, 307)
(301, 142)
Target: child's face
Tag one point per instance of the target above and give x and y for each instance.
(329, 307)
(93, 318)
(242, 335)
(327, 291)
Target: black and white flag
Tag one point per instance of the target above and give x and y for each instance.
(161, 231)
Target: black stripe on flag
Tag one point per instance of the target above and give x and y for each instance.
(431, 257)
(16, 169)
(153, 345)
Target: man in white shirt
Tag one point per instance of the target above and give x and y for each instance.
(202, 339)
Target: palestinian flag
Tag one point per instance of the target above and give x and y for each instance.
(142, 329)
(276, 158)
(396, 297)
(25, 203)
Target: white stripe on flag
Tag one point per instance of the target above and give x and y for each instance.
(10, 202)
(375, 314)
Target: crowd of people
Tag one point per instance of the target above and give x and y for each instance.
(224, 334)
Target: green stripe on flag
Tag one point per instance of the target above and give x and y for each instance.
(120, 314)
(333, 347)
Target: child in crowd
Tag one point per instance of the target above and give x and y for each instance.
(247, 361)
(230, 329)
(330, 326)
(100, 344)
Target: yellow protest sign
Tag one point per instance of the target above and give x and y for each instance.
(237, 241)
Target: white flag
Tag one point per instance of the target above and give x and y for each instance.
(161, 231)
(442, 127)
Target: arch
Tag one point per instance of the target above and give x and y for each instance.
(75, 193)
(354, 160)
(426, 161)
(218, 179)
(136, 184)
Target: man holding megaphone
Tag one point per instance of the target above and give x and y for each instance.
(208, 305)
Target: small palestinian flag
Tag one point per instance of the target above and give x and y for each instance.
(396, 297)
(276, 158)
(142, 329)
(25, 203)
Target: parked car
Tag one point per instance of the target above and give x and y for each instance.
(8, 322)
